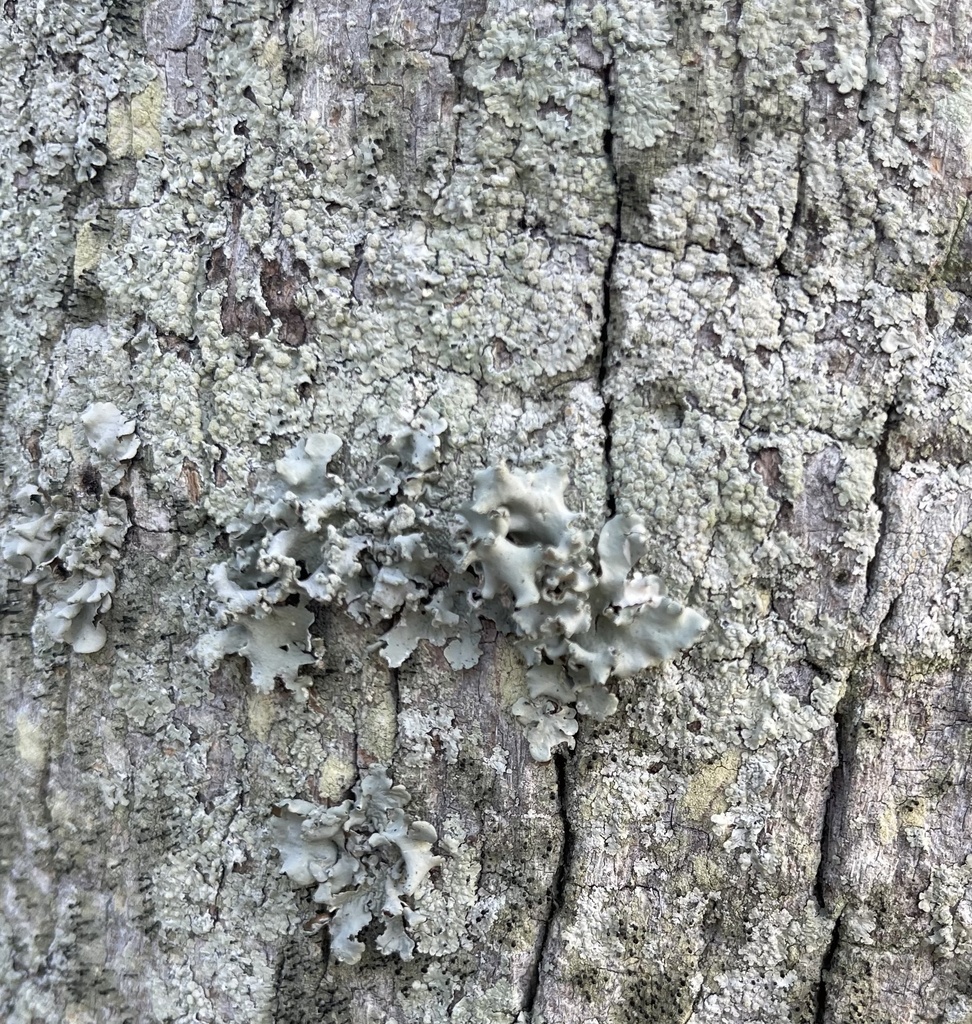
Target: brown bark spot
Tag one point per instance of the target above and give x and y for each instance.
(502, 357)
(32, 444)
(549, 106)
(192, 480)
(280, 289)
(174, 343)
(243, 318)
(280, 293)
(767, 465)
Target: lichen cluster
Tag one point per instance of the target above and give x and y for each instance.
(307, 539)
(368, 858)
(66, 549)
(579, 626)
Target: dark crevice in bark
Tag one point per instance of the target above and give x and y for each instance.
(870, 22)
(467, 98)
(830, 846)
(832, 809)
(882, 474)
(825, 966)
(325, 953)
(604, 356)
(558, 885)
(278, 1000)
(785, 263)
(830, 839)
(396, 695)
(949, 270)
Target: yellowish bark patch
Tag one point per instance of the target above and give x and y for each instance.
(119, 129)
(88, 248)
(260, 715)
(705, 795)
(146, 119)
(31, 746)
(334, 779)
(887, 824)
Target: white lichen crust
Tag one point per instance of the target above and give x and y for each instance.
(67, 550)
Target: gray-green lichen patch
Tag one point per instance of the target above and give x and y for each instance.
(368, 858)
(66, 550)
(307, 540)
(580, 626)
(306, 223)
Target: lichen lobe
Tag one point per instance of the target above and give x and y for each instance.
(579, 626)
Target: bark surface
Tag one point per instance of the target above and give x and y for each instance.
(713, 257)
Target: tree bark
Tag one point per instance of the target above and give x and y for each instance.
(713, 258)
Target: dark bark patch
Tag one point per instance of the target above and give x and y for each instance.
(280, 293)
(32, 445)
(91, 480)
(767, 467)
(243, 317)
(191, 478)
(182, 347)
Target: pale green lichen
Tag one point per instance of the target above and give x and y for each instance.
(307, 540)
(579, 627)
(947, 901)
(368, 859)
(66, 550)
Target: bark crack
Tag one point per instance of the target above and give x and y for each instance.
(831, 807)
(827, 898)
(825, 967)
(821, 887)
(394, 687)
(882, 471)
(605, 346)
(558, 886)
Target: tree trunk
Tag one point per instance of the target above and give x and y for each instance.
(714, 259)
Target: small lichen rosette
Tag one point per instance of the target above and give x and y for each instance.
(368, 859)
(580, 627)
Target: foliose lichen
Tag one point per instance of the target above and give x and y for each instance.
(579, 626)
(307, 539)
(66, 549)
(368, 858)
(383, 555)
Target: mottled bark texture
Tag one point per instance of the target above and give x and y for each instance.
(714, 257)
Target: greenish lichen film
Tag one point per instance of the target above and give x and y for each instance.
(715, 260)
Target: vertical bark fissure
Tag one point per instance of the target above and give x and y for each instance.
(836, 798)
(605, 350)
(279, 1005)
(558, 885)
(396, 696)
(15, 620)
(825, 966)
(828, 846)
(882, 472)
